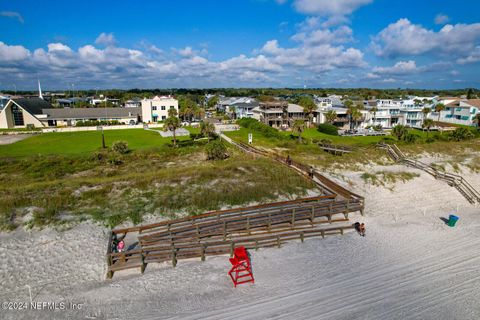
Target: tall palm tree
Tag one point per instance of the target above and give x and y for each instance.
(439, 108)
(427, 124)
(356, 115)
(172, 123)
(426, 111)
(299, 127)
(330, 116)
(309, 107)
(207, 129)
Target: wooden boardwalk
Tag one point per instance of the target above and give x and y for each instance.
(335, 148)
(219, 232)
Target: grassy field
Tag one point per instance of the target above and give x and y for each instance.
(84, 141)
(310, 153)
(64, 178)
(364, 148)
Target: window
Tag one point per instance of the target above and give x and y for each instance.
(154, 108)
(154, 118)
(164, 117)
(17, 116)
(163, 108)
(172, 107)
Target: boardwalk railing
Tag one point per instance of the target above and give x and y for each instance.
(336, 149)
(454, 180)
(216, 232)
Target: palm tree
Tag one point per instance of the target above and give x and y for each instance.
(330, 116)
(427, 124)
(199, 113)
(476, 120)
(299, 127)
(309, 107)
(356, 115)
(374, 110)
(426, 111)
(439, 108)
(172, 123)
(207, 129)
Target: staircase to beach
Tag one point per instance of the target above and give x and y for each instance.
(453, 180)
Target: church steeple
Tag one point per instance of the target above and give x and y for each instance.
(40, 90)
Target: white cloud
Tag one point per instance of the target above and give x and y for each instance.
(473, 57)
(441, 18)
(106, 39)
(12, 53)
(186, 52)
(403, 38)
(12, 14)
(400, 68)
(329, 7)
(321, 36)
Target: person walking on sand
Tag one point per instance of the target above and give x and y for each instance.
(362, 229)
(121, 246)
(311, 172)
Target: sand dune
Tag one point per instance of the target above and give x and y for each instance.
(409, 266)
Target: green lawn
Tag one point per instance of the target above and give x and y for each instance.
(83, 141)
(313, 133)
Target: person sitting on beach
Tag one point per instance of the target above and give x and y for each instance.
(121, 246)
(362, 229)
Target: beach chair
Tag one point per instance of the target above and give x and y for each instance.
(241, 271)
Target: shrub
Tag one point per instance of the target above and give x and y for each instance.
(216, 150)
(326, 141)
(388, 140)
(410, 137)
(462, 134)
(400, 131)
(328, 128)
(253, 124)
(93, 123)
(120, 147)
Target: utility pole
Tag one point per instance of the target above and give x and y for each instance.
(103, 135)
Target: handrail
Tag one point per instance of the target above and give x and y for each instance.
(460, 183)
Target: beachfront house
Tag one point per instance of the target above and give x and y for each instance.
(156, 109)
(278, 114)
(458, 111)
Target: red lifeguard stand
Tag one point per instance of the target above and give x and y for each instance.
(241, 271)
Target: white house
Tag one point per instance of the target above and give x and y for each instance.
(458, 111)
(156, 109)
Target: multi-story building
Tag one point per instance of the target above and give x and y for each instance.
(458, 111)
(156, 109)
(278, 114)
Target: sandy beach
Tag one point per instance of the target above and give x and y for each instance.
(411, 265)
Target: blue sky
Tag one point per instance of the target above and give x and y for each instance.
(249, 43)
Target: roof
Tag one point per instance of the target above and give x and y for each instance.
(294, 108)
(91, 113)
(33, 105)
(473, 102)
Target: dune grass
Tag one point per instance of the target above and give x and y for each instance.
(62, 189)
